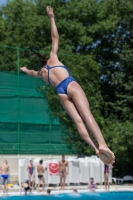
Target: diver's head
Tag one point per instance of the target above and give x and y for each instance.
(43, 58)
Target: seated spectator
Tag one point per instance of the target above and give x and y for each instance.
(31, 184)
(26, 188)
(92, 186)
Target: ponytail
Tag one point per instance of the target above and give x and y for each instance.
(42, 57)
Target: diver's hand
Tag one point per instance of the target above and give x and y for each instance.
(50, 12)
(23, 69)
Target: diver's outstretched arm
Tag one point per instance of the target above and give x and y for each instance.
(34, 73)
(54, 31)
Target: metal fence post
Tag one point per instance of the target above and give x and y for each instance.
(18, 66)
(50, 133)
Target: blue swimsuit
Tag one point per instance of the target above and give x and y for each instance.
(61, 88)
(5, 176)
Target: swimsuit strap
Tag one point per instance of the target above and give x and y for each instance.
(48, 68)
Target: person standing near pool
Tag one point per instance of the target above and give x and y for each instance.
(5, 171)
(71, 95)
(106, 176)
(41, 170)
(31, 176)
(63, 171)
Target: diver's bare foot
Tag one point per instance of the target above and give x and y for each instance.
(107, 152)
(103, 157)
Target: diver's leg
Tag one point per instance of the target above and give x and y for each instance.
(73, 113)
(80, 101)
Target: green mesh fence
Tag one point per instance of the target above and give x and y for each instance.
(26, 126)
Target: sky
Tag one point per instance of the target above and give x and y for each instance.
(2, 2)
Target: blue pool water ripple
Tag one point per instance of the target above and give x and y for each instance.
(87, 196)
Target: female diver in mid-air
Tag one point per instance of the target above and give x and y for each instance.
(71, 95)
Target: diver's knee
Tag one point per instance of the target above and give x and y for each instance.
(85, 116)
(78, 122)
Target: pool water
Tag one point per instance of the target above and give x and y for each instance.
(87, 196)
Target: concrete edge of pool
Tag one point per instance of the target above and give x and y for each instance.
(69, 191)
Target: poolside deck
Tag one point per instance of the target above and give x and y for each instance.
(69, 189)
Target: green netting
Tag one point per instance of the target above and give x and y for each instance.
(26, 126)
